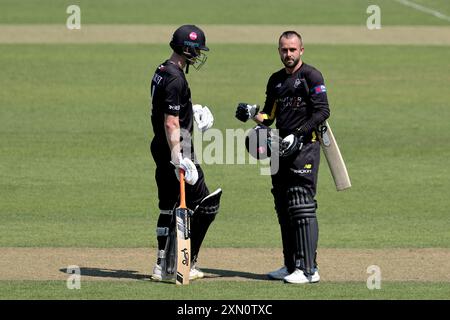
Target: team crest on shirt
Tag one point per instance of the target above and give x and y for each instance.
(297, 83)
(157, 78)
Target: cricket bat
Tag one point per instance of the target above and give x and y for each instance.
(334, 158)
(183, 242)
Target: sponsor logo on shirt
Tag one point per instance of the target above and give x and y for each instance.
(290, 102)
(319, 89)
(176, 107)
(301, 171)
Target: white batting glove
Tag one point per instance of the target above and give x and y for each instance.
(189, 168)
(203, 117)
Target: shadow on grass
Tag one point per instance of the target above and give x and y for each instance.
(134, 275)
(220, 273)
(110, 273)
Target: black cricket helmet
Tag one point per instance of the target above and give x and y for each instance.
(188, 41)
(258, 142)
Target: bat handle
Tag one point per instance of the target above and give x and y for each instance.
(182, 190)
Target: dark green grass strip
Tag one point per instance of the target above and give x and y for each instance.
(221, 290)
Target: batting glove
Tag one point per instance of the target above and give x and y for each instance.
(203, 117)
(189, 168)
(246, 111)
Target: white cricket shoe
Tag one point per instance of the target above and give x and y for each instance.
(159, 275)
(278, 274)
(298, 276)
(195, 273)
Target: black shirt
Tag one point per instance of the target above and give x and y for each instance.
(297, 100)
(170, 95)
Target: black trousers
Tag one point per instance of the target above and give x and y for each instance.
(169, 194)
(300, 170)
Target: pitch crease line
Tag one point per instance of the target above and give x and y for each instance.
(421, 8)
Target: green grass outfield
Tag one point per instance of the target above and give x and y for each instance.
(265, 290)
(76, 172)
(76, 169)
(352, 12)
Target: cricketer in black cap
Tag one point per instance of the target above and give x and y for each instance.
(172, 117)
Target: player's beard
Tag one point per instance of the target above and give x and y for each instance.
(288, 63)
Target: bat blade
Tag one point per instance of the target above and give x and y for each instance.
(183, 247)
(334, 157)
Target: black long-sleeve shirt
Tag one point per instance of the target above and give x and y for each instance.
(296, 101)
